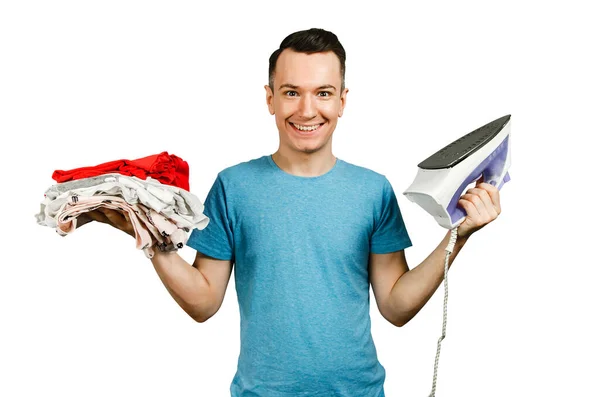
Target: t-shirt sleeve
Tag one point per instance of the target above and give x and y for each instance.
(216, 239)
(389, 233)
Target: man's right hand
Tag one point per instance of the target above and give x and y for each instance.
(116, 219)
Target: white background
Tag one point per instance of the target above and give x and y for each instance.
(82, 83)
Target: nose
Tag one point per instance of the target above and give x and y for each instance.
(308, 107)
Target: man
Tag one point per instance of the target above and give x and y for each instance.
(308, 233)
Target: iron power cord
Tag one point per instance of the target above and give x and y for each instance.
(449, 249)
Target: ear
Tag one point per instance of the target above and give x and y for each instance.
(270, 99)
(343, 102)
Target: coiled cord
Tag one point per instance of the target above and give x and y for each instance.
(449, 249)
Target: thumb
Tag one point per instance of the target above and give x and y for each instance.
(480, 179)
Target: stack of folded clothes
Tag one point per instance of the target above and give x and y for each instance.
(153, 191)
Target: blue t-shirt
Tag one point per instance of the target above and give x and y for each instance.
(300, 248)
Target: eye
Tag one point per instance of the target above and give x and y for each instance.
(327, 93)
(289, 93)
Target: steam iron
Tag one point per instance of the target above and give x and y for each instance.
(444, 176)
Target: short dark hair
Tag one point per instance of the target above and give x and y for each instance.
(310, 41)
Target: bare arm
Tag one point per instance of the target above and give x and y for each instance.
(199, 289)
(401, 293)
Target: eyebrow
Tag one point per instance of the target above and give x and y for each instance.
(295, 87)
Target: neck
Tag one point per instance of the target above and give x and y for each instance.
(304, 164)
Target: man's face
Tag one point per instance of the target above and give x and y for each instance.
(306, 100)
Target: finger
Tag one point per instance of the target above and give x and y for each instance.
(128, 225)
(97, 215)
(115, 217)
(494, 194)
(469, 207)
(480, 210)
(485, 198)
(82, 219)
(119, 220)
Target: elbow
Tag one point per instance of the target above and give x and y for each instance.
(200, 316)
(400, 322)
(200, 311)
(197, 317)
(400, 318)
(395, 321)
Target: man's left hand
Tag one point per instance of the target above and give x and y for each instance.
(482, 204)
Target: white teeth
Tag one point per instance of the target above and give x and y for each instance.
(307, 128)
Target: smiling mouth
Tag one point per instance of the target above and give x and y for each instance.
(306, 129)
